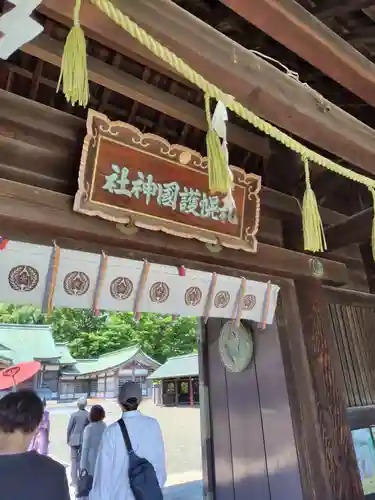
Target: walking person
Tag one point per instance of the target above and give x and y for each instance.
(77, 424)
(26, 474)
(92, 436)
(40, 441)
(113, 466)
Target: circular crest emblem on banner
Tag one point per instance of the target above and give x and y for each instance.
(236, 347)
(121, 288)
(249, 302)
(76, 283)
(222, 299)
(159, 292)
(193, 296)
(23, 278)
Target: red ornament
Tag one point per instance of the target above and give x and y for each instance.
(182, 271)
(3, 243)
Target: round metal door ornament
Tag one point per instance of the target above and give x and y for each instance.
(317, 268)
(236, 347)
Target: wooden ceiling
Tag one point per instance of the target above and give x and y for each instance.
(169, 107)
(346, 18)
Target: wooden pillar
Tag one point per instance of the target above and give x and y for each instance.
(133, 371)
(340, 462)
(176, 384)
(105, 384)
(191, 392)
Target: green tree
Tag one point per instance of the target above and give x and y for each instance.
(21, 315)
(90, 336)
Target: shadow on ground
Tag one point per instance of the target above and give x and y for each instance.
(188, 491)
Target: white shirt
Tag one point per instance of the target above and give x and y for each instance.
(111, 481)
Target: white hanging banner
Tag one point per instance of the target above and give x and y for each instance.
(24, 276)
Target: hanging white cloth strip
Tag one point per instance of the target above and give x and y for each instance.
(219, 124)
(237, 312)
(24, 269)
(210, 296)
(141, 286)
(266, 305)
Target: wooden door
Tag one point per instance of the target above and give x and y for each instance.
(253, 448)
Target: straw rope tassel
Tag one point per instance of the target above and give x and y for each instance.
(313, 232)
(99, 283)
(219, 176)
(52, 276)
(372, 191)
(73, 74)
(140, 290)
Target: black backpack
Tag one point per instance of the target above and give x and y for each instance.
(142, 476)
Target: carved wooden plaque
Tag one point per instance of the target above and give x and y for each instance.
(133, 178)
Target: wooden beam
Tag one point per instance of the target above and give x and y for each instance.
(361, 417)
(275, 202)
(49, 50)
(257, 84)
(362, 35)
(349, 297)
(331, 8)
(355, 229)
(39, 210)
(294, 27)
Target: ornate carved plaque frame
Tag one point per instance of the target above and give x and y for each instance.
(132, 178)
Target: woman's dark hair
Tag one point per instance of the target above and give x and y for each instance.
(97, 413)
(20, 411)
(131, 404)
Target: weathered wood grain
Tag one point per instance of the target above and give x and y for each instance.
(323, 359)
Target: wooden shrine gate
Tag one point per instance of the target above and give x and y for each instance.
(311, 455)
(278, 429)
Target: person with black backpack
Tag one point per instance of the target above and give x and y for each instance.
(131, 460)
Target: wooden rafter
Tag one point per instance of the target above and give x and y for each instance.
(330, 8)
(256, 83)
(356, 229)
(298, 30)
(50, 51)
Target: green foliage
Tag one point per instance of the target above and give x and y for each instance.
(90, 336)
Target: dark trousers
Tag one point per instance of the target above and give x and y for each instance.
(75, 459)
